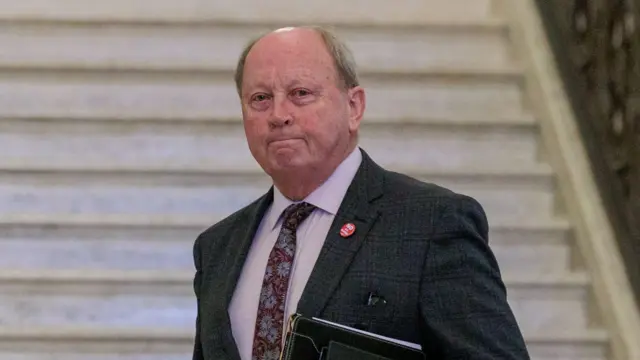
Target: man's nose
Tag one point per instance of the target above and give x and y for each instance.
(281, 114)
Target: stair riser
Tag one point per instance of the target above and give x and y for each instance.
(278, 10)
(166, 249)
(556, 311)
(104, 310)
(569, 351)
(95, 349)
(215, 47)
(511, 205)
(574, 351)
(539, 310)
(422, 146)
(204, 96)
(532, 257)
(88, 356)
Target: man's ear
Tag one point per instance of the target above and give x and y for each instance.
(357, 104)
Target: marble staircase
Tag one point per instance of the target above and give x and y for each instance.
(120, 140)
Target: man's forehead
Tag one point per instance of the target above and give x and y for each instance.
(286, 75)
(288, 54)
(289, 39)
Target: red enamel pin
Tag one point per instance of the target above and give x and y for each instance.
(347, 230)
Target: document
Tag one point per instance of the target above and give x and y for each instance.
(315, 338)
(395, 341)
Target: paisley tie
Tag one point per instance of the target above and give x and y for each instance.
(267, 339)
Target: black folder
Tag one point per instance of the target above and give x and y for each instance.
(313, 339)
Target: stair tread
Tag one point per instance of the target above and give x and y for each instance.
(88, 332)
(201, 221)
(147, 96)
(131, 16)
(23, 165)
(562, 336)
(490, 23)
(94, 332)
(570, 279)
(210, 48)
(96, 275)
(80, 68)
(560, 279)
(526, 120)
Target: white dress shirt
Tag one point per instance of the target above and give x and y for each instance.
(310, 237)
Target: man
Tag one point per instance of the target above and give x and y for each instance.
(337, 236)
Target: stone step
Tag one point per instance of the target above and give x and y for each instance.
(554, 302)
(543, 248)
(586, 344)
(165, 243)
(215, 46)
(528, 194)
(165, 299)
(189, 94)
(94, 343)
(433, 143)
(99, 343)
(377, 11)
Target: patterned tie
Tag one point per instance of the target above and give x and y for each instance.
(267, 339)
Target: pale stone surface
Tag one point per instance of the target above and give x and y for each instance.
(541, 248)
(500, 202)
(405, 11)
(98, 248)
(217, 46)
(94, 342)
(538, 304)
(128, 310)
(555, 308)
(580, 345)
(223, 147)
(577, 345)
(165, 95)
(534, 251)
(88, 356)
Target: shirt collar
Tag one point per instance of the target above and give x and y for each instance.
(327, 197)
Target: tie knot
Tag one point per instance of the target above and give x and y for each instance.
(295, 214)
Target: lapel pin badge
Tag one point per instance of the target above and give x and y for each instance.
(347, 230)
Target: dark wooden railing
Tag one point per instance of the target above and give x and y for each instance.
(597, 47)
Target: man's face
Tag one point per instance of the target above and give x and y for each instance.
(297, 116)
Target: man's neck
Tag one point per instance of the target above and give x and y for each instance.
(298, 184)
(298, 191)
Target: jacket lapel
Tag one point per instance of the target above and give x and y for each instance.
(337, 252)
(244, 231)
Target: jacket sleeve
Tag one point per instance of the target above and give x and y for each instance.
(197, 280)
(463, 301)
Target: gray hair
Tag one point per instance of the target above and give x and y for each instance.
(342, 57)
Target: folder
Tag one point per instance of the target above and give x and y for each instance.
(317, 339)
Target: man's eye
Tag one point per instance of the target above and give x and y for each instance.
(301, 92)
(260, 97)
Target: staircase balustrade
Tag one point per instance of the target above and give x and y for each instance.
(597, 49)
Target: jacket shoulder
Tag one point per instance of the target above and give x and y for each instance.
(225, 223)
(402, 185)
(230, 222)
(447, 208)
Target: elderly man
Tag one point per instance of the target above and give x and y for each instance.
(337, 229)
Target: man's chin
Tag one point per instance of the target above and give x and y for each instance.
(288, 165)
